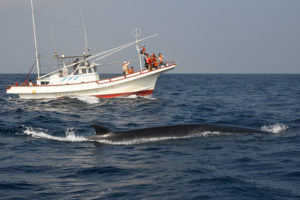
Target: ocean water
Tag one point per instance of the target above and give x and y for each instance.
(45, 152)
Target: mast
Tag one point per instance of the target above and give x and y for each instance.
(35, 43)
(85, 35)
(136, 33)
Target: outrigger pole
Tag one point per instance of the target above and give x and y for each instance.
(35, 43)
(114, 50)
(104, 53)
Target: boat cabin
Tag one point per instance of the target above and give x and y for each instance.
(84, 68)
(73, 71)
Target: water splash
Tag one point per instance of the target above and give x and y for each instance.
(87, 99)
(150, 97)
(132, 96)
(276, 128)
(70, 135)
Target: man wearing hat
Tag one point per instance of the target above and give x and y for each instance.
(125, 67)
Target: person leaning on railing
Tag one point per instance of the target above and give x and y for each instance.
(125, 67)
(161, 60)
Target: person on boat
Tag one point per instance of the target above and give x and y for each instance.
(65, 71)
(131, 71)
(146, 56)
(155, 62)
(30, 83)
(75, 65)
(150, 63)
(125, 67)
(143, 50)
(161, 60)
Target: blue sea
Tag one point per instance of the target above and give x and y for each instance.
(45, 152)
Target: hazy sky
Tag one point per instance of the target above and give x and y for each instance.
(202, 36)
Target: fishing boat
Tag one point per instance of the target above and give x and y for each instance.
(78, 76)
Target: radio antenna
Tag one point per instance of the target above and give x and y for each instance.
(86, 46)
(53, 41)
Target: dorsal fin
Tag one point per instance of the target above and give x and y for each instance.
(100, 130)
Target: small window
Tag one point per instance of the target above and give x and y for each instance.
(44, 82)
(76, 72)
(83, 71)
(90, 70)
(95, 69)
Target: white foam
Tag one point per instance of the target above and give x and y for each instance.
(87, 99)
(70, 135)
(276, 128)
(147, 140)
(132, 96)
(150, 97)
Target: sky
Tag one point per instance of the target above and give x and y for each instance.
(202, 36)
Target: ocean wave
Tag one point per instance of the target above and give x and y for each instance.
(276, 128)
(70, 135)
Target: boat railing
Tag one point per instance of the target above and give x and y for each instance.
(169, 64)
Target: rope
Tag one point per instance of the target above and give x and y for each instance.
(30, 71)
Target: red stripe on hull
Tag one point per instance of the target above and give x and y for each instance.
(144, 93)
(140, 93)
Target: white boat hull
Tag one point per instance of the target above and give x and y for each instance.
(139, 83)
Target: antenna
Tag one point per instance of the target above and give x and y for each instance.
(35, 43)
(86, 46)
(136, 32)
(53, 42)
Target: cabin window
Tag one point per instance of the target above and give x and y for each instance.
(90, 70)
(83, 71)
(44, 82)
(95, 69)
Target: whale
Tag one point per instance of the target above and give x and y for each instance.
(177, 131)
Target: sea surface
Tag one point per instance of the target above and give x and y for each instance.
(45, 151)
